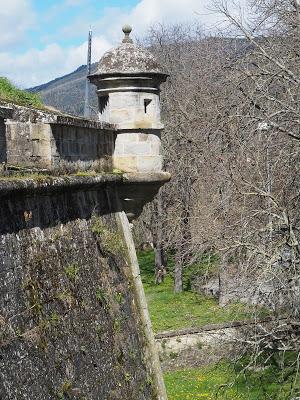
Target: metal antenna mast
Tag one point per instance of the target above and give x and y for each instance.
(88, 71)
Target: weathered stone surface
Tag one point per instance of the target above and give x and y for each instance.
(2, 141)
(62, 148)
(128, 59)
(5, 111)
(201, 346)
(133, 190)
(81, 148)
(125, 163)
(198, 349)
(137, 148)
(150, 163)
(134, 109)
(46, 116)
(68, 321)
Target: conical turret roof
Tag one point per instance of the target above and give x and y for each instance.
(128, 59)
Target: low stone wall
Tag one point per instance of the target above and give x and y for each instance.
(197, 347)
(41, 139)
(58, 147)
(81, 147)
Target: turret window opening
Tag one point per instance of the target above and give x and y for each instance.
(146, 104)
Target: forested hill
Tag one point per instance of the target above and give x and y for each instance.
(66, 93)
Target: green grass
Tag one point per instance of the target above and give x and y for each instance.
(226, 382)
(10, 93)
(171, 311)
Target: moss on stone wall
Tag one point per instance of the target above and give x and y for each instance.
(69, 326)
(111, 240)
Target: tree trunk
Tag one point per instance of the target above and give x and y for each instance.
(160, 254)
(184, 239)
(160, 264)
(178, 284)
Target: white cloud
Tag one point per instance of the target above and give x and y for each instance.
(39, 66)
(16, 18)
(148, 12)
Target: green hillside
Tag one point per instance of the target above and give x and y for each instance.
(10, 93)
(67, 92)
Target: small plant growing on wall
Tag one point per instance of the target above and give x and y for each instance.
(119, 297)
(65, 390)
(101, 296)
(72, 271)
(112, 241)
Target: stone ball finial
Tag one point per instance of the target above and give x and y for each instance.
(127, 30)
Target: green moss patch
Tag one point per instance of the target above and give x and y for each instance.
(111, 240)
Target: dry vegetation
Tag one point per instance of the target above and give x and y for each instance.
(231, 142)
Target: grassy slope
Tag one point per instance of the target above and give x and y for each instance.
(9, 93)
(171, 311)
(223, 382)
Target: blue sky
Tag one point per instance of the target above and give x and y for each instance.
(43, 39)
(57, 16)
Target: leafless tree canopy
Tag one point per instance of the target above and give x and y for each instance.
(231, 142)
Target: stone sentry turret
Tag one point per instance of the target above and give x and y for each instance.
(126, 138)
(128, 82)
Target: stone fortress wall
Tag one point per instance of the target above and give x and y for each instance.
(74, 322)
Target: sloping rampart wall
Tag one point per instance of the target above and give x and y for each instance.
(70, 325)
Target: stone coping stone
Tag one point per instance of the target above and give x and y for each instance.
(36, 115)
(41, 183)
(146, 177)
(83, 123)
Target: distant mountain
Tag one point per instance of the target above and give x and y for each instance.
(67, 92)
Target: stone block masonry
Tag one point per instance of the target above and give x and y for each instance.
(82, 148)
(2, 141)
(58, 144)
(138, 151)
(72, 320)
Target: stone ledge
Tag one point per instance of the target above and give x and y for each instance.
(35, 115)
(146, 177)
(83, 123)
(212, 327)
(39, 182)
(46, 183)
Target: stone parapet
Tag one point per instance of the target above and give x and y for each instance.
(46, 116)
(58, 146)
